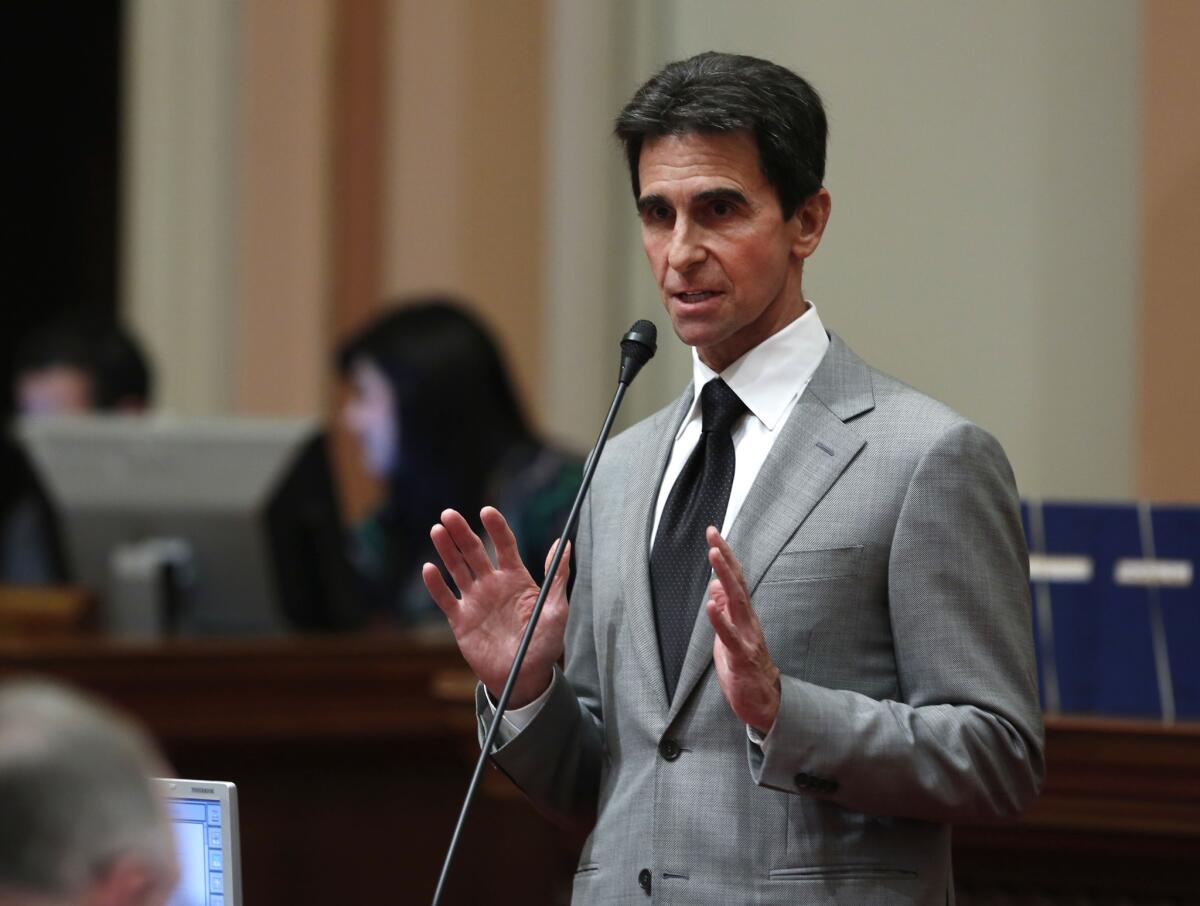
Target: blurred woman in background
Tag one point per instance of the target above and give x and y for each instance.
(406, 372)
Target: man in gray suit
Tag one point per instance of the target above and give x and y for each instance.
(798, 644)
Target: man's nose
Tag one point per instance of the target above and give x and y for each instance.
(687, 248)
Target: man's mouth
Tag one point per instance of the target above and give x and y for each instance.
(700, 295)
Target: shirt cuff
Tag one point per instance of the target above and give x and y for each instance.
(763, 742)
(517, 719)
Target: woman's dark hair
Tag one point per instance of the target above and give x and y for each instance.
(456, 413)
(721, 92)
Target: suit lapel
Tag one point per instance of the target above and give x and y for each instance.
(810, 454)
(640, 497)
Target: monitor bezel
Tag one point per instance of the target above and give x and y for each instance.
(224, 793)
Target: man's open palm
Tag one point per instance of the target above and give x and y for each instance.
(496, 602)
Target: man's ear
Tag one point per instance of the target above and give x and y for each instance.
(127, 882)
(808, 223)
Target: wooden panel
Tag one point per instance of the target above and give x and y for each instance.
(280, 330)
(464, 170)
(239, 691)
(360, 30)
(41, 611)
(1119, 815)
(1169, 429)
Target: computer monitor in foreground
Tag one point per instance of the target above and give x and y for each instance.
(204, 817)
(197, 526)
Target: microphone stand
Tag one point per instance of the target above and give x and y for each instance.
(638, 346)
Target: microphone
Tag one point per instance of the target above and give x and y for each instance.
(637, 348)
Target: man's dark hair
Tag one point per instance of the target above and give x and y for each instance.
(721, 92)
(108, 354)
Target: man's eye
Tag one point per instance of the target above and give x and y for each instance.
(657, 214)
(722, 208)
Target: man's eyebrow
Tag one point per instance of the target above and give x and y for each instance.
(722, 194)
(646, 202)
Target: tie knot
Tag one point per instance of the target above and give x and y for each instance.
(720, 407)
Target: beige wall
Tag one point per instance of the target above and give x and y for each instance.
(1169, 426)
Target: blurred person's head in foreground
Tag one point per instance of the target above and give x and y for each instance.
(81, 363)
(80, 821)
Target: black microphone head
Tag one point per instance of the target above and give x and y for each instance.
(637, 348)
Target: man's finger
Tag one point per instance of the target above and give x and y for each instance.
(452, 557)
(564, 565)
(442, 596)
(735, 591)
(724, 627)
(508, 555)
(468, 542)
(556, 603)
(717, 540)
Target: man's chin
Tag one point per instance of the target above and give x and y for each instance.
(696, 335)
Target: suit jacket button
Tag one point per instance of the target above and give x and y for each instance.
(669, 749)
(803, 781)
(644, 880)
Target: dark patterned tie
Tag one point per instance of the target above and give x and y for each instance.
(679, 569)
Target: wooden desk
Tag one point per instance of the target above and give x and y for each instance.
(1119, 815)
(197, 691)
(352, 755)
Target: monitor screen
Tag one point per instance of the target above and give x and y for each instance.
(204, 818)
(194, 526)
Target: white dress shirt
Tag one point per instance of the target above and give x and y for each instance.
(769, 379)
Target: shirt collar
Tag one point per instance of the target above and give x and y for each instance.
(772, 374)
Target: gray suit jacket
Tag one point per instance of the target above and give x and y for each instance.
(884, 553)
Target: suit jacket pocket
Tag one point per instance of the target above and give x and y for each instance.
(814, 565)
(845, 872)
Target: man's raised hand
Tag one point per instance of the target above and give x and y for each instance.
(490, 617)
(748, 677)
